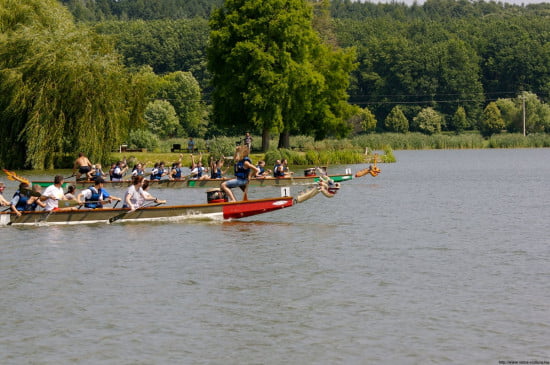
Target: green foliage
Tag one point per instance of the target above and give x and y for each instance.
(271, 73)
(162, 118)
(491, 121)
(459, 121)
(62, 88)
(428, 121)
(221, 146)
(396, 121)
(143, 139)
(184, 93)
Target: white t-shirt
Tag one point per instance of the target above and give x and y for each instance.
(55, 192)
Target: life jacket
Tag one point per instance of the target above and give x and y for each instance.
(96, 198)
(277, 172)
(116, 175)
(241, 172)
(177, 175)
(262, 170)
(200, 170)
(97, 174)
(23, 202)
(156, 174)
(216, 173)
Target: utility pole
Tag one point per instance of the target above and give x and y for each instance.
(523, 100)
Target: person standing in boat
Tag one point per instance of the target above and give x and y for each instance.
(248, 141)
(95, 196)
(243, 167)
(82, 165)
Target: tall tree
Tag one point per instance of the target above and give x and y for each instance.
(62, 89)
(270, 71)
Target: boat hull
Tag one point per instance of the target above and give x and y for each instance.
(228, 210)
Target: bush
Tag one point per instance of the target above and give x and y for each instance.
(143, 139)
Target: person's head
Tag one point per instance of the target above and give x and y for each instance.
(98, 166)
(285, 162)
(161, 164)
(2, 187)
(261, 163)
(80, 154)
(145, 185)
(99, 181)
(23, 186)
(136, 180)
(70, 190)
(58, 180)
(248, 134)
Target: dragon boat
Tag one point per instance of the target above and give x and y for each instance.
(216, 208)
(206, 183)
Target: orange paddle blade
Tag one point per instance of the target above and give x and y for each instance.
(14, 177)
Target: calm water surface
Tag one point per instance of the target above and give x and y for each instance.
(442, 258)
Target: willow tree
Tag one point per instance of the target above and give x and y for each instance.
(62, 88)
(271, 72)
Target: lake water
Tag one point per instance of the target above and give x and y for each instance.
(442, 258)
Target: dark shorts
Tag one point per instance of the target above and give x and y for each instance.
(84, 169)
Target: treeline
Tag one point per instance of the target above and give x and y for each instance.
(93, 74)
(446, 55)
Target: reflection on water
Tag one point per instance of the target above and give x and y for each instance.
(440, 258)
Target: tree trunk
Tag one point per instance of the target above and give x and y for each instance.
(284, 140)
(265, 140)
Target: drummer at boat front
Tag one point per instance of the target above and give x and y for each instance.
(95, 196)
(243, 167)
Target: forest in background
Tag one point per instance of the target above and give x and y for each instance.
(139, 70)
(445, 55)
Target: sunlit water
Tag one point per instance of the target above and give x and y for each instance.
(442, 258)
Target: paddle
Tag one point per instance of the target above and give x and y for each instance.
(121, 215)
(68, 177)
(14, 177)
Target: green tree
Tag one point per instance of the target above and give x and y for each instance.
(491, 120)
(162, 118)
(428, 121)
(184, 93)
(62, 88)
(459, 121)
(271, 73)
(396, 121)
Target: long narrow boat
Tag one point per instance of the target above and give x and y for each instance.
(216, 210)
(207, 183)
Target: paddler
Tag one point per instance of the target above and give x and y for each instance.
(96, 195)
(243, 167)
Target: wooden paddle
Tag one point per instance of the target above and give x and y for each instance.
(14, 177)
(121, 215)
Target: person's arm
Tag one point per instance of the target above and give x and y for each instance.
(252, 167)
(13, 204)
(128, 200)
